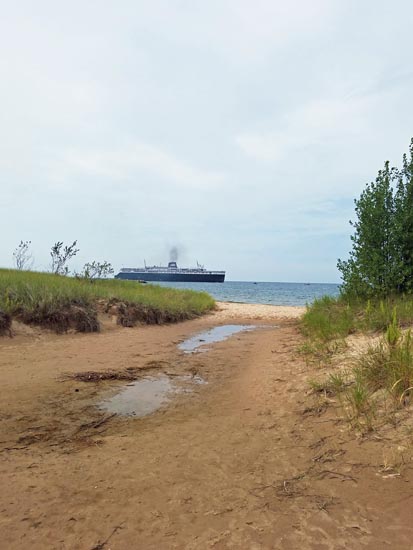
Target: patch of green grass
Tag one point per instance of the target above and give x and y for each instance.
(62, 302)
(333, 384)
(389, 366)
(329, 318)
(320, 352)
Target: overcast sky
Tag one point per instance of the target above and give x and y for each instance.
(240, 131)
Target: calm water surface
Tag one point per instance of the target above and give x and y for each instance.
(217, 334)
(291, 294)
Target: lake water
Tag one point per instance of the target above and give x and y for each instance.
(291, 294)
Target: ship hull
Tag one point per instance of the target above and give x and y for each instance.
(172, 277)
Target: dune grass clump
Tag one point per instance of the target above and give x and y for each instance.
(333, 384)
(327, 318)
(330, 318)
(326, 323)
(380, 381)
(62, 303)
(389, 366)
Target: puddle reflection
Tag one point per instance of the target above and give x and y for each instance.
(216, 334)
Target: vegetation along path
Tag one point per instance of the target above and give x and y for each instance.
(248, 460)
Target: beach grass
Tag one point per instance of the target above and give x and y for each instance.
(379, 380)
(60, 302)
(377, 384)
(330, 318)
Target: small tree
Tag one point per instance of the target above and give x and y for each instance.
(381, 259)
(23, 258)
(96, 270)
(404, 221)
(60, 256)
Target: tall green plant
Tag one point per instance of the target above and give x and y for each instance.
(381, 260)
(404, 222)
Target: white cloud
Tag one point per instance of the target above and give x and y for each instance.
(319, 121)
(237, 29)
(130, 161)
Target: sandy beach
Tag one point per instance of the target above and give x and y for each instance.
(233, 310)
(245, 460)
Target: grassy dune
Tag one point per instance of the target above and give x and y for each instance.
(376, 384)
(61, 302)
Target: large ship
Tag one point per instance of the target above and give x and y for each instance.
(172, 273)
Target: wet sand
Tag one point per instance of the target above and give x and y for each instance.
(246, 461)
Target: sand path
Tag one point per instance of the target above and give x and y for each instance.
(240, 463)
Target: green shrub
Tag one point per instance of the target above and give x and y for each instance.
(381, 259)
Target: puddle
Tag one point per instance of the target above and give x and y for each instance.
(147, 395)
(217, 334)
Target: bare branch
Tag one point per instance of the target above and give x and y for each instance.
(23, 258)
(96, 270)
(61, 255)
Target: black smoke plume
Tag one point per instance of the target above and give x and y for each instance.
(173, 254)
